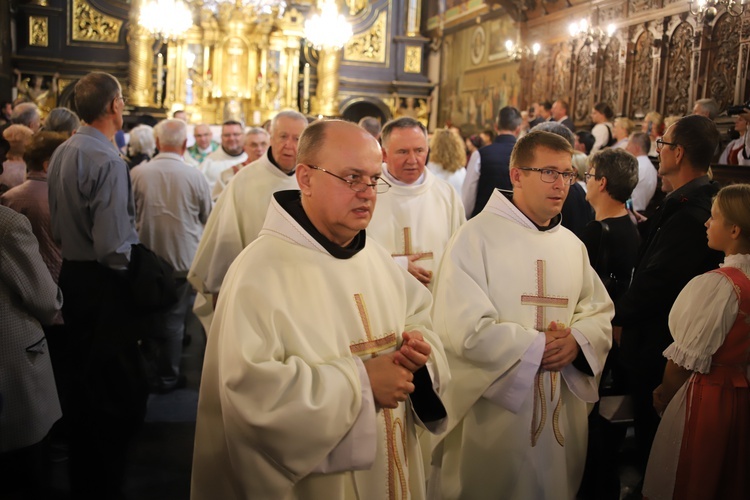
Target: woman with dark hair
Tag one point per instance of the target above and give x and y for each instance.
(602, 116)
(702, 446)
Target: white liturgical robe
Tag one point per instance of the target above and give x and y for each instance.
(516, 431)
(417, 218)
(234, 223)
(216, 162)
(286, 408)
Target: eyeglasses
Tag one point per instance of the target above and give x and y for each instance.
(122, 98)
(549, 175)
(660, 144)
(589, 175)
(380, 185)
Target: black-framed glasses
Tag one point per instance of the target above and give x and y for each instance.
(549, 175)
(660, 143)
(380, 186)
(589, 175)
(124, 101)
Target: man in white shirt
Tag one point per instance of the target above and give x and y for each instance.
(418, 215)
(256, 145)
(321, 361)
(639, 145)
(172, 204)
(230, 153)
(525, 323)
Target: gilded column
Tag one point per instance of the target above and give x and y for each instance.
(327, 90)
(141, 58)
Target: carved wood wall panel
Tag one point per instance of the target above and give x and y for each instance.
(640, 101)
(539, 90)
(584, 78)
(723, 61)
(611, 74)
(676, 96)
(636, 6)
(561, 76)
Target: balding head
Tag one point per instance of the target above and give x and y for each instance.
(171, 136)
(26, 114)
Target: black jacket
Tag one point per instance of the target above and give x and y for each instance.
(494, 169)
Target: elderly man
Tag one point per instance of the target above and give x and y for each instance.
(318, 328)
(525, 323)
(230, 153)
(204, 143)
(639, 145)
(706, 107)
(238, 215)
(420, 213)
(256, 145)
(674, 251)
(560, 114)
(172, 204)
(93, 218)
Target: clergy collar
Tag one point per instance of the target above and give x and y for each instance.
(292, 203)
(270, 157)
(393, 181)
(553, 223)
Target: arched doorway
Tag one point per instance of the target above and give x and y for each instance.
(357, 108)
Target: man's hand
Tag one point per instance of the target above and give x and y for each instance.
(414, 351)
(423, 275)
(391, 383)
(560, 350)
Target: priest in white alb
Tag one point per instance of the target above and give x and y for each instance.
(419, 214)
(321, 361)
(229, 153)
(525, 322)
(238, 215)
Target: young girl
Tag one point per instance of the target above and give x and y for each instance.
(702, 447)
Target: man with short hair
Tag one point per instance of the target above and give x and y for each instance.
(180, 114)
(545, 111)
(560, 114)
(316, 389)
(535, 115)
(419, 214)
(489, 166)
(256, 145)
(92, 216)
(238, 215)
(172, 204)
(639, 145)
(204, 143)
(230, 153)
(674, 251)
(372, 125)
(706, 107)
(525, 323)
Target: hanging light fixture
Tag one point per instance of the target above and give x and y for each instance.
(166, 19)
(706, 10)
(581, 30)
(516, 51)
(328, 29)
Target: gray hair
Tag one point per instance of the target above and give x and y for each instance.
(557, 129)
(404, 122)
(621, 170)
(25, 113)
(256, 130)
(142, 140)
(171, 133)
(710, 106)
(371, 124)
(288, 113)
(640, 140)
(62, 120)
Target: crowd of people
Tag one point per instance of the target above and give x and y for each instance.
(389, 313)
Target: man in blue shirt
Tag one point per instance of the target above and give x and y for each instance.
(93, 218)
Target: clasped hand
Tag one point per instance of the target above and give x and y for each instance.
(560, 348)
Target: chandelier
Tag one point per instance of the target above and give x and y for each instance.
(516, 51)
(258, 6)
(328, 29)
(589, 34)
(707, 9)
(166, 19)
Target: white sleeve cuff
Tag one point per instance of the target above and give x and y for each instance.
(512, 389)
(583, 386)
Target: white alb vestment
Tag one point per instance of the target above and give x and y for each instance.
(515, 431)
(216, 162)
(286, 408)
(234, 223)
(417, 218)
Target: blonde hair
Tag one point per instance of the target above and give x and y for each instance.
(625, 124)
(733, 202)
(18, 136)
(447, 150)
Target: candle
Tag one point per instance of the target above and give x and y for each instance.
(306, 82)
(256, 117)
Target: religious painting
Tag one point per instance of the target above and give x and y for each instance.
(501, 30)
(472, 94)
(443, 12)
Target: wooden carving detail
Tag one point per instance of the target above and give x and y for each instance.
(90, 25)
(640, 101)
(583, 84)
(561, 76)
(678, 68)
(611, 75)
(723, 65)
(636, 6)
(539, 90)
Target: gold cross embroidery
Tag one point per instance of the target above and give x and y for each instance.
(540, 301)
(408, 248)
(372, 346)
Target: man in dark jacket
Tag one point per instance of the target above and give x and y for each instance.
(489, 167)
(674, 251)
